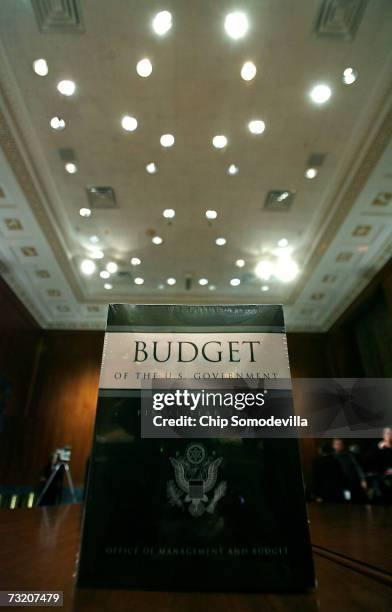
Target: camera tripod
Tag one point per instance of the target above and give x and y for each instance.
(55, 469)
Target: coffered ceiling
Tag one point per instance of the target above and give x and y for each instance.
(338, 225)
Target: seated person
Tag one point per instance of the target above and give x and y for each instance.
(379, 465)
(353, 478)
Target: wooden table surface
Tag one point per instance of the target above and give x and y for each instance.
(357, 532)
(38, 551)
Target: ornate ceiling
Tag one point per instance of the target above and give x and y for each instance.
(338, 225)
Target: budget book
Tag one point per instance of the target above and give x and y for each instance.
(196, 509)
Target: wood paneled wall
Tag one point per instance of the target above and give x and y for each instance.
(62, 406)
(61, 410)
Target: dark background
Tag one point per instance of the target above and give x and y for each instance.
(52, 377)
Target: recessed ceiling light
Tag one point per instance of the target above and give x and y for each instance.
(104, 274)
(203, 281)
(40, 67)
(349, 76)
(311, 173)
(286, 270)
(264, 287)
(129, 123)
(236, 25)
(97, 254)
(157, 240)
(248, 71)
(283, 196)
(211, 214)
(171, 281)
(240, 263)
(135, 261)
(169, 213)
(66, 88)
(220, 241)
(167, 140)
(108, 286)
(144, 68)
(212, 287)
(235, 282)
(257, 126)
(151, 168)
(264, 269)
(87, 266)
(57, 123)
(71, 168)
(162, 22)
(139, 281)
(112, 267)
(94, 239)
(85, 212)
(283, 242)
(233, 169)
(219, 141)
(320, 93)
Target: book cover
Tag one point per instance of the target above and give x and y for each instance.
(200, 513)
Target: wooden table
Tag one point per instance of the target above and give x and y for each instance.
(38, 551)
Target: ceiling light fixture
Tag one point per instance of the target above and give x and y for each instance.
(167, 140)
(286, 270)
(108, 286)
(283, 242)
(264, 269)
(212, 287)
(87, 267)
(240, 263)
(211, 214)
(203, 281)
(248, 71)
(157, 240)
(220, 241)
(257, 126)
(40, 67)
(135, 261)
(232, 170)
(71, 168)
(236, 25)
(104, 274)
(94, 239)
(66, 88)
(162, 22)
(264, 287)
(235, 282)
(320, 93)
(112, 267)
(151, 168)
(138, 280)
(169, 213)
(219, 141)
(85, 212)
(311, 173)
(57, 123)
(144, 68)
(349, 76)
(129, 124)
(171, 281)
